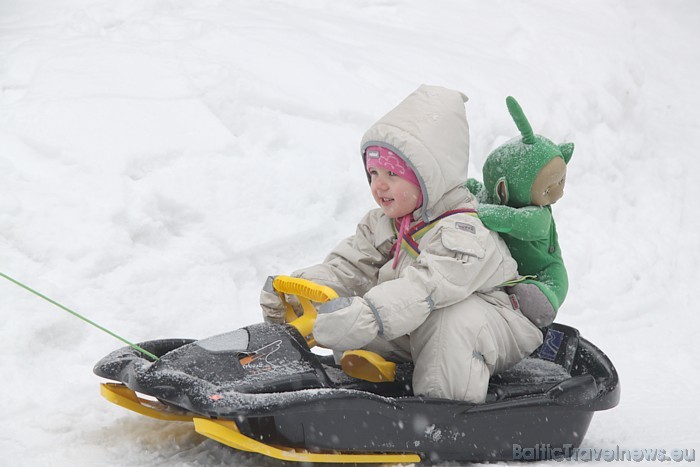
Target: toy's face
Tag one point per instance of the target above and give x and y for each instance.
(548, 186)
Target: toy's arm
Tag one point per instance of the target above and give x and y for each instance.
(528, 223)
(477, 189)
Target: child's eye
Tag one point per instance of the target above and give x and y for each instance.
(561, 182)
(392, 174)
(546, 192)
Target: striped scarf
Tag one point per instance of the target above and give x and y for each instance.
(408, 238)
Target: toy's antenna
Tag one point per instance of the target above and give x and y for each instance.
(520, 120)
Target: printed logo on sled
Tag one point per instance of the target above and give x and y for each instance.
(256, 361)
(551, 344)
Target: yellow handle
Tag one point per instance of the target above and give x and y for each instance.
(306, 292)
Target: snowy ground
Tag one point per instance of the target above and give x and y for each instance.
(160, 158)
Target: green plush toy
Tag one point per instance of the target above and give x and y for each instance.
(522, 179)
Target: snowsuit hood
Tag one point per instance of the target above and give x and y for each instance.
(429, 131)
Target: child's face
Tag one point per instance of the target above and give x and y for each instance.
(395, 195)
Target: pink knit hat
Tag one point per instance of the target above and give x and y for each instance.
(378, 156)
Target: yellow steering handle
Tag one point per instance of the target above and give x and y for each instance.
(306, 292)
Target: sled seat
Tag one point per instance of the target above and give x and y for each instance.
(547, 366)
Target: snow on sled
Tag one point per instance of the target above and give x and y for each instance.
(261, 389)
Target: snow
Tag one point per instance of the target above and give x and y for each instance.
(160, 158)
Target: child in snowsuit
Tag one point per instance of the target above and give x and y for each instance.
(422, 278)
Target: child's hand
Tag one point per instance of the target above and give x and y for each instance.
(273, 308)
(345, 323)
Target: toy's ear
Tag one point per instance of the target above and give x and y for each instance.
(567, 150)
(501, 190)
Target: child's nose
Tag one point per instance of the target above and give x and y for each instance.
(380, 183)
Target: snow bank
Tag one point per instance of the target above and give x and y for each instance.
(158, 159)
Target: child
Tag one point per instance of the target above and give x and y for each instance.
(421, 279)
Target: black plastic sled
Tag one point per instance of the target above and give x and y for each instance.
(261, 389)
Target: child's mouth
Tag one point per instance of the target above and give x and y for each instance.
(386, 201)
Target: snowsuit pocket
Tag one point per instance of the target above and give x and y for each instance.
(455, 255)
(462, 244)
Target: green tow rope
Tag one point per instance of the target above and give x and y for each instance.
(142, 350)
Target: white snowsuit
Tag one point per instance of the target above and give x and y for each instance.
(445, 309)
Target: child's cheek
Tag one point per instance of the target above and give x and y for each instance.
(410, 197)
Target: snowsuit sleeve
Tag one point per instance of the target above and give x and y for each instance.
(459, 258)
(351, 269)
